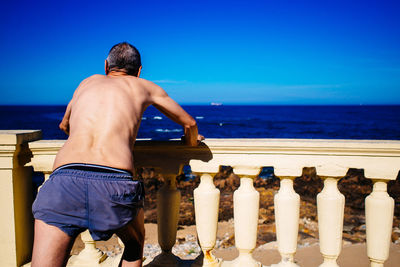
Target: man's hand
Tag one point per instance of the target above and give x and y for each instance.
(64, 124)
(199, 139)
(64, 127)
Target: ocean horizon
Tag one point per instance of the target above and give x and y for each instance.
(376, 122)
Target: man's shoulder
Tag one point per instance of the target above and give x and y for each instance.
(92, 78)
(145, 82)
(149, 85)
(95, 77)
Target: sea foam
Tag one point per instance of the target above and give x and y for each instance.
(168, 130)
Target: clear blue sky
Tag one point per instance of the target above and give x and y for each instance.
(234, 52)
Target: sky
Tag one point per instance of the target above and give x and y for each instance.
(233, 52)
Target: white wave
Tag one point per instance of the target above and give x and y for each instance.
(199, 117)
(157, 118)
(168, 130)
(144, 118)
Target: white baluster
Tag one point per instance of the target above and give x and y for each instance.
(379, 208)
(46, 175)
(330, 204)
(168, 201)
(206, 206)
(89, 256)
(287, 208)
(246, 202)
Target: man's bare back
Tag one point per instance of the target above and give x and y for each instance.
(104, 115)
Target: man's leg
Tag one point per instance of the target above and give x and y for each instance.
(132, 235)
(51, 246)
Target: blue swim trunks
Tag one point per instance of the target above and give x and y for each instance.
(77, 197)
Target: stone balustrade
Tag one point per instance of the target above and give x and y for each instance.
(331, 158)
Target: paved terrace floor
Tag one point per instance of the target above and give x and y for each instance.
(352, 255)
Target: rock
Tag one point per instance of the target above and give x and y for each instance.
(395, 236)
(348, 228)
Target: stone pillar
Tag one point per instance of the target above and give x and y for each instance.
(246, 202)
(206, 206)
(89, 256)
(168, 201)
(16, 197)
(46, 175)
(379, 209)
(287, 209)
(330, 204)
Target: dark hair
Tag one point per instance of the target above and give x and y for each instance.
(126, 57)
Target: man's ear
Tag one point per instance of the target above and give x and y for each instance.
(138, 73)
(106, 67)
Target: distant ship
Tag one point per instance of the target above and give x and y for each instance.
(216, 104)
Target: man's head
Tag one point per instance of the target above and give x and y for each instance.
(124, 57)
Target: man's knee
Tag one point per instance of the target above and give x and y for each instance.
(132, 235)
(133, 250)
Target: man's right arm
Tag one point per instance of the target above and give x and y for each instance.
(64, 125)
(164, 103)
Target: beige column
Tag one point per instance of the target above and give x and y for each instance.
(16, 197)
(287, 208)
(379, 208)
(206, 206)
(89, 256)
(168, 201)
(46, 176)
(246, 202)
(330, 204)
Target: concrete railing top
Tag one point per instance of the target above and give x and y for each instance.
(14, 137)
(380, 159)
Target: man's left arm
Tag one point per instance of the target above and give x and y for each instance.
(164, 103)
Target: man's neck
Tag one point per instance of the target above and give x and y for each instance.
(116, 73)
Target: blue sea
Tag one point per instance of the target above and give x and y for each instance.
(226, 121)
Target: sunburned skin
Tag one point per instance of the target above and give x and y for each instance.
(104, 115)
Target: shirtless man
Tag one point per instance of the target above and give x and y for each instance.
(92, 185)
